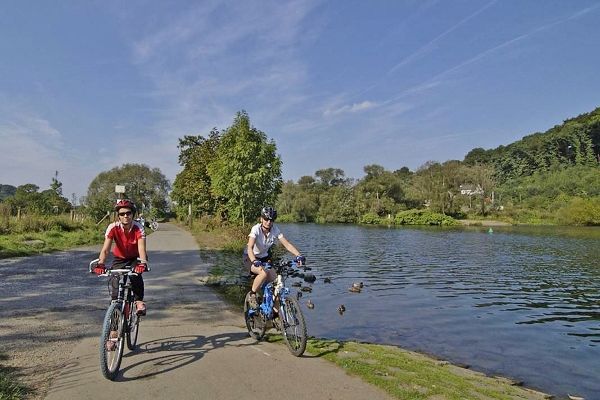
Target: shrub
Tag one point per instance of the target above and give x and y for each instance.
(423, 217)
(580, 212)
(371, 218)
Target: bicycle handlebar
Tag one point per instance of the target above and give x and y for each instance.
(116, 271)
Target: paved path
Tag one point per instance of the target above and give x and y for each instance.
(192, 345)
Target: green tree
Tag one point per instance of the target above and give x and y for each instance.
(192, 185)
(147, 188)
(7, 191)
(27, 198)
(379, 192)
(246, 171)
(331, 176)
(57, 202)
(338, 204)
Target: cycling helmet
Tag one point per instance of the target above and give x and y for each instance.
(269, 213)
(124, 203)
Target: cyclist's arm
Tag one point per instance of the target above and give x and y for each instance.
(142, 249)
(105, 250)
(250, 248)
(289, 246)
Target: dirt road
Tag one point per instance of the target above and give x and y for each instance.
(192, 345)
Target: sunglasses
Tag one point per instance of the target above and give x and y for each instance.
(122, 214)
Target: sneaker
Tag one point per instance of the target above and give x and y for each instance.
(140, 308)
(252, 302)
(111, 343)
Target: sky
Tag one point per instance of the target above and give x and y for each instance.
(86, 86)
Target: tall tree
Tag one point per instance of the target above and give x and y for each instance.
(331, 176)
(246, 171)
(192, 186)
(145, 186)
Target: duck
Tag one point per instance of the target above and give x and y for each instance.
(358, 285)
(354, 289)
(327, 280)
(306, 289)
(296, 284)
(341, 309)
(298, 295)
(310, 304)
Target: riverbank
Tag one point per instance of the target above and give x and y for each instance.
(403, 374)
(482, 222)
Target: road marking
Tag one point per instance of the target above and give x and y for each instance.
(260, 351)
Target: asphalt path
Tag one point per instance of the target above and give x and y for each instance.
(191, 345)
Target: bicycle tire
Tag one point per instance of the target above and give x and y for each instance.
(133, 324)
(110, 361)
(294, 327)
(254, 323)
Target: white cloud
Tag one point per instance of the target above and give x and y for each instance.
(354, 108)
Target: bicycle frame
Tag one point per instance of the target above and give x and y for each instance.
(121, 318)
(291, 321)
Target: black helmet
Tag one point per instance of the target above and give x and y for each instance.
(268, 213)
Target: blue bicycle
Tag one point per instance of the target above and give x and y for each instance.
(289, 320)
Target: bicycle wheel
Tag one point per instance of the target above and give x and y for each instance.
(133, 323)
(294, 326)
(112, 332)
(254, 321)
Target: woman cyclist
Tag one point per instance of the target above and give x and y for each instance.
(260, 240)
(130, 244)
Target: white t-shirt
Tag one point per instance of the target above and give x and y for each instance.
(263, 242)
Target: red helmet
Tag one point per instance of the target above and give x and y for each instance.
(124, 203)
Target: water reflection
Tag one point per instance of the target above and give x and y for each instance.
(513, 302)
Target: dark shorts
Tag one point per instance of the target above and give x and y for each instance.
(248, 264)
(137, 282)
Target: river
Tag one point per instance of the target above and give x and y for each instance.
(522, 302)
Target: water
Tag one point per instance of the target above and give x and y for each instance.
(518, 302)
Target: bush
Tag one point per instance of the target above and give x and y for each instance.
(286, 218)
(580, 212)
(372, 219)
(423, 217)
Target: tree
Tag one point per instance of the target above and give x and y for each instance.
(147, 188)
(246, 170)
(27, 198)
(379, 191)
(331, 176)
(192, 185)
(7, 191)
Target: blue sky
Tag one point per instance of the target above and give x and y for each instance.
(86, 86)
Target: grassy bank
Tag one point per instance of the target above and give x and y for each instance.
(27, 244)
(10, 388)
(402, 374)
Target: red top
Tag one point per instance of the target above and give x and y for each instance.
(126, 243)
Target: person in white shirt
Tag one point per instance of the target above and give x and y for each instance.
(260, 240)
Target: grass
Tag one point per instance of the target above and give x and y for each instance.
(402, 374)
(10, 387)
(27, 244)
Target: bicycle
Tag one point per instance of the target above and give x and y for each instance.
(289, 320)
(153, 224)
(121, 318)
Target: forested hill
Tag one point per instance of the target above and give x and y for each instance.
(575, 142)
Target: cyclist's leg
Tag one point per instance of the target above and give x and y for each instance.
(262, 276)
(114, 279)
